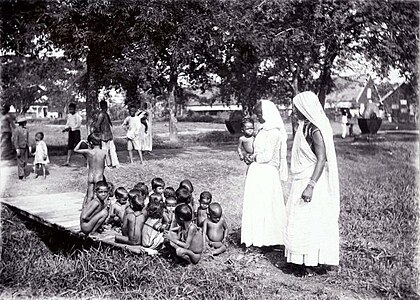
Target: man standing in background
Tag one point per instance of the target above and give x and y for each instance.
(74, 122)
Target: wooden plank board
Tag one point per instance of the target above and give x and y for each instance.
(62, 212)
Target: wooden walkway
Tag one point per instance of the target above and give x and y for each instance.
(62, 212)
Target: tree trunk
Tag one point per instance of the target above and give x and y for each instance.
(173, 130)
(325, 76)
(92, 91)
(131, 94)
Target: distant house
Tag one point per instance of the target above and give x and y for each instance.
(401, 104)
(369, 94)
(352, 92)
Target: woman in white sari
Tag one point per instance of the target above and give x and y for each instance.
(263, 215)
(312, 233)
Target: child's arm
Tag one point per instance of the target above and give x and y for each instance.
(190, 235)
(205, 233)
(226, 230)
(45, 151)
(241, 156)
(82, 151)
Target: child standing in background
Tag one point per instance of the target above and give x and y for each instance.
(135, 134)
(41, 155)
(21, 142)
(96, 158)
(246, 141)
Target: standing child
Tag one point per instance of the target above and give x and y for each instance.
(95, 212)
(134, 133)
(117, 209)
(134, 219)
(21, 143)
(215, 230)
(246, 141)
(41, 155)
(96, 160)
(202, 210)
(189, 243)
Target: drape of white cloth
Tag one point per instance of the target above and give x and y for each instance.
(312, 231)
(111, 156)
(147, 137)
(263, 213)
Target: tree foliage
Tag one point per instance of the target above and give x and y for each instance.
(252, 47)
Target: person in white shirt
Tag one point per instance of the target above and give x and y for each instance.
(74, 121)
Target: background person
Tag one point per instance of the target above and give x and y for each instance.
(312, 233)
(103, 126)
(7, 124)
(74, 122)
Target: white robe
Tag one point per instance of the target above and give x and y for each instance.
(263, 215)
(312, 233)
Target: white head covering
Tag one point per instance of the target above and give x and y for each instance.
(308, 104)
(272, 118)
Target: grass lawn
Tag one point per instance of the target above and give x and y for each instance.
(378, 227)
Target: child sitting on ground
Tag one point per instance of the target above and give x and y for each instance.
(186, 183)
(169, 212)
(169, 192)
(144, 191)
(152, 236)
(246, 141)
(215, 229)
(41, 155)
(202, 210)
(183, 196)
(158, 186)
(189, 243)
(133, 220)
(117, 210)
(95, 212)
(96, 161)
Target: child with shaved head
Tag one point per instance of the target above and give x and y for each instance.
(215, 229)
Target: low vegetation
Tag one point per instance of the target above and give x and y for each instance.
(378, 226)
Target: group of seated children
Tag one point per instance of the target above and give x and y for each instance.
(164, 216)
